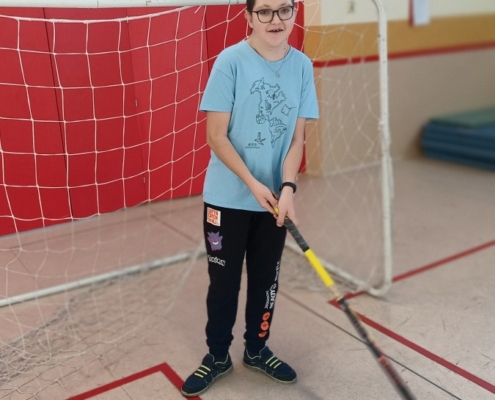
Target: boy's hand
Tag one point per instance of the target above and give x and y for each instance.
(267, 199)
(285, 207)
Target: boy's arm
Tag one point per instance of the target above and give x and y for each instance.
(290, 169)
(216, 134)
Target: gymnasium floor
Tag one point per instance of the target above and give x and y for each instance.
(435, 323)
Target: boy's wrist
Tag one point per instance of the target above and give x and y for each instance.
(292, 185)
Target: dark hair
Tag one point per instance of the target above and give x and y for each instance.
(250, 5)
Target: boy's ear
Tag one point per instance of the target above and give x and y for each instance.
(249, 18)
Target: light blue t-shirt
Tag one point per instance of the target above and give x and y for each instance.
(264, 110)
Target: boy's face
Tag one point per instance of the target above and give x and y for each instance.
(276, 31)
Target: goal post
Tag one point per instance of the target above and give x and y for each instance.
(103, 154)
(348, 177)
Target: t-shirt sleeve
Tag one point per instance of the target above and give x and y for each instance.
(309, 102)
(219, 91)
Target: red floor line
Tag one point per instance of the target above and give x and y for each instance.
(174, 378)
(430, 266)
(163, 368)
(444, 261)
(454, 368)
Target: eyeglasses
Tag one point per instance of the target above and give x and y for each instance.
(266, 16)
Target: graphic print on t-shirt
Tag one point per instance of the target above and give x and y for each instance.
(271, 98)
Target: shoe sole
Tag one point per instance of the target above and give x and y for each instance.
(262, 371)
(211, 383)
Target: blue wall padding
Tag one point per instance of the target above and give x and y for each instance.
(468, 138)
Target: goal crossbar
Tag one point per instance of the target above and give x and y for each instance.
(115, 3)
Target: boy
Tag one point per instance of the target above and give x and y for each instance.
(259, 95)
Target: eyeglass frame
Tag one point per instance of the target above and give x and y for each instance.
(273, 14)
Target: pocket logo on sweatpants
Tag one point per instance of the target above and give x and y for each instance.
(213, 216)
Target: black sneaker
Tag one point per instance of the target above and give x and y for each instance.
(270, 365)
(209, 371)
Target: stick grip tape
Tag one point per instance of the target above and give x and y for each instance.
(310, 255)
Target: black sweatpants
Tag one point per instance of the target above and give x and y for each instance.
(230, 236)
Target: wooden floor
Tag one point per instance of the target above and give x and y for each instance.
(138, 338)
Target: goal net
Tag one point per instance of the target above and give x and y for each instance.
(102, 159)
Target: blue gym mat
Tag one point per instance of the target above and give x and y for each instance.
(466, 138)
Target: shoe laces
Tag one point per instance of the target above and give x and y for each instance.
(202, 371)
(273, 362)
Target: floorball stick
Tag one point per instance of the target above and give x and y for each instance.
(353, 317)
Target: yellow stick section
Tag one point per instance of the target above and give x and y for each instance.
(320, 270)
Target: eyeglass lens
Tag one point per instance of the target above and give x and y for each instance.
(284, 13)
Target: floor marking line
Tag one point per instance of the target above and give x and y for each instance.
(354, 336)
(428, 354)
(164, 368)
(430, 266)
(444, 261)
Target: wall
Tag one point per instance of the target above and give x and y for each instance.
(445, 66)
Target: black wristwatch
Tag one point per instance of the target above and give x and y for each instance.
(292, 185)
